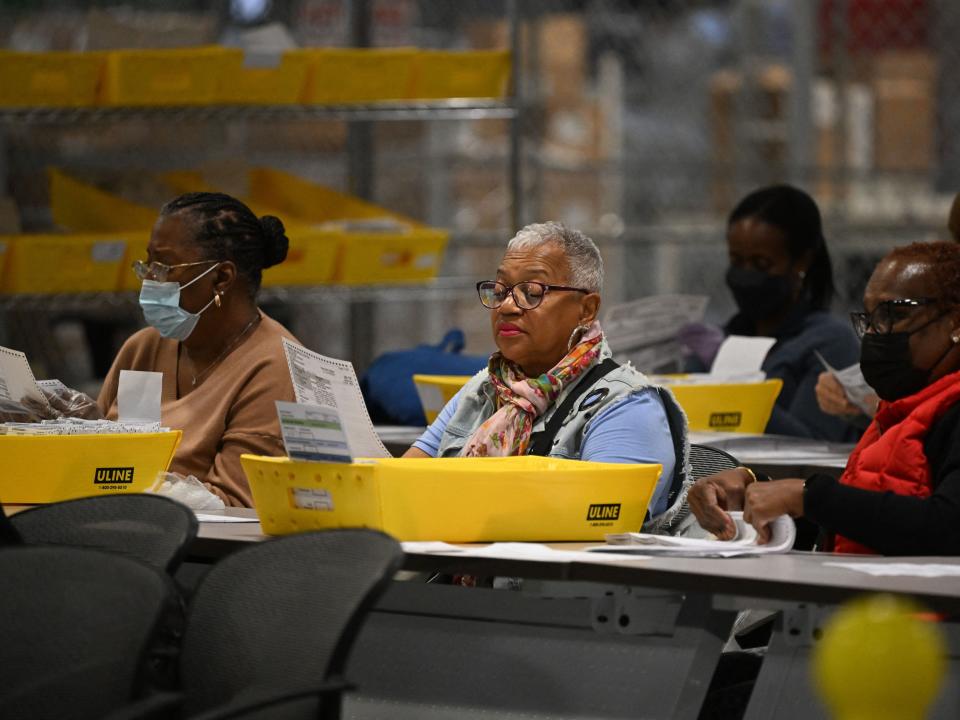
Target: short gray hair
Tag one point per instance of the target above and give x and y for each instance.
(583, 258)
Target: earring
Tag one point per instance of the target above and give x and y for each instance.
(955, 339)
(575, 336)
(216, 298)
(803, 275)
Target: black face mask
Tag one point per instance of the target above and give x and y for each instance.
(887, 366)
(757, 294)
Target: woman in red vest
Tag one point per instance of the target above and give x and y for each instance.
(900, 491)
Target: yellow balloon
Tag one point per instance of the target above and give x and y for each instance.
(879, 659)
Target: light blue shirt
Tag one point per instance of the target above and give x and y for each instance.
(614, 436)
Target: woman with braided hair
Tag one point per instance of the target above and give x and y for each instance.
(221, 357)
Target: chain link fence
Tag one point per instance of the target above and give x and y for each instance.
(641, 122)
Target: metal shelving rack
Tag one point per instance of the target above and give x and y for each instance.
(359, 118)
(453, 109)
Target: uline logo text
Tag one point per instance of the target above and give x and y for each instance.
(725, 419)
(113, 476)
(604, 512)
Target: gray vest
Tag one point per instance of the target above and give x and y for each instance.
(478, 402)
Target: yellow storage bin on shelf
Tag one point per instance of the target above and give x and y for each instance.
(189, 76)
(454, 499)
(311, 258)
(281, 84)
(375, 245)
(49, 79)
(728, 407)
(312, 255)
(466, 74)
(340, 76)
(435, 391)
(50, 468)
(82, 207)
(63, 263)
(390, 257)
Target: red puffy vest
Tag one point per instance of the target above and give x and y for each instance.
(889, 456)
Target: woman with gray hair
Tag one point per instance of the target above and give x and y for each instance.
(552, 387)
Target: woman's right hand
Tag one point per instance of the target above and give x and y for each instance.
(710, 499)
(832, 399)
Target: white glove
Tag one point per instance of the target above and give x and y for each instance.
(188, 490)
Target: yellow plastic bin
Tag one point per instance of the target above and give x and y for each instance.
(392, 257)
(311, 258)
(50, 79)
(435, 391)
(465, 74)
(189, 76)
(404, 251)
(63, 263)
(82, 207)
(454, 499)
(50, 468)
(341, 76)
(732, 407)
(283, 84)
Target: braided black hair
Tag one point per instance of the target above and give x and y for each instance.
(797, 216)
(228, 230)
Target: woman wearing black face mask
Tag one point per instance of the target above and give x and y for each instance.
(900, 492)
(781, 280)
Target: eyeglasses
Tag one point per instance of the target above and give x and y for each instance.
(885, 315)
(526, 295)
(158, 271)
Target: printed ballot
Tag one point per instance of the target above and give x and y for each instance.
(854, 385)
(330, 385)
(17, 382)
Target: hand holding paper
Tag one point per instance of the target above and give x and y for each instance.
(783, 533)
(854, 386)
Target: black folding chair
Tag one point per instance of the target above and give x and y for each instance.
(74, 627)
(149, 528)
(706, 460)
(270, 627)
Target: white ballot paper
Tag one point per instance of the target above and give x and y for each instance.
(854, 385)
(741, 357)
(313, 433)
(17, 382)
(326, 382)
(138, 397)
(782, 534)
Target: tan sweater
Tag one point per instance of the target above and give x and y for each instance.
(230, 413)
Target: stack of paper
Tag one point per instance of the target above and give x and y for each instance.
(644, 331)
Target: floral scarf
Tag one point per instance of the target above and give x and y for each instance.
(521, 400)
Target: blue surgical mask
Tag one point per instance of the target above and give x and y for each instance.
(160, 302)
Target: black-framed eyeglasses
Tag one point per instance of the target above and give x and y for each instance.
(526, 295)
(159, 271)
(886, 314)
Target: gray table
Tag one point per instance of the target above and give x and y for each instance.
(597, 640)
(776, 455)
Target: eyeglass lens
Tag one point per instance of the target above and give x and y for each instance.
(885, 315)
(526, 295)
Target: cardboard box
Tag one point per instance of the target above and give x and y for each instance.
(904, 87)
